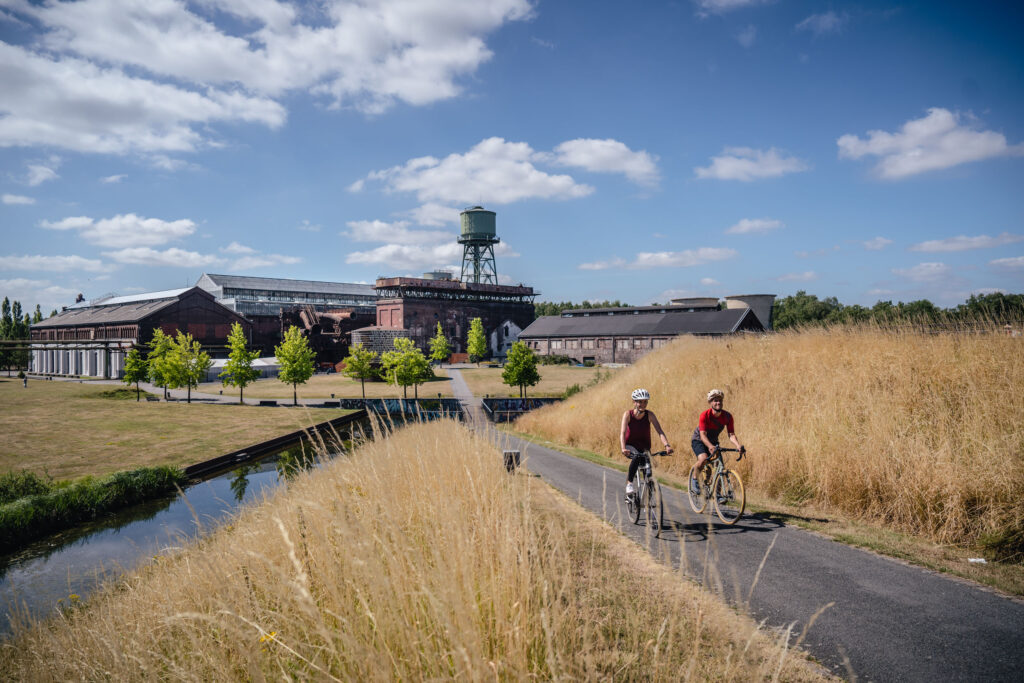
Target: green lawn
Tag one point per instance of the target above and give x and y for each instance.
(554, 379)
(322, 386)
(67, 430)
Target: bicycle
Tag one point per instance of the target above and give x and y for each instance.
(647, 496)
(722, 485)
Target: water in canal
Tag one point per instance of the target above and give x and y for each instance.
(46, 574)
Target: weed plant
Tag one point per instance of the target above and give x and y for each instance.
(21, 483)
(65, 504)
(416, 558)
(923, 432)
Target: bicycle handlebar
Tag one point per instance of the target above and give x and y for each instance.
(741, 451)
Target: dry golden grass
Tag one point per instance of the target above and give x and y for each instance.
(385, 566)
(554, 379)
(322, 386)
(65, 430)
(924, 433)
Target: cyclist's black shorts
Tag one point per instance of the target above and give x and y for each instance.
(699, 447)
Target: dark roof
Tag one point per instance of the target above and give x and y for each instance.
(118, 313)
(644, 324)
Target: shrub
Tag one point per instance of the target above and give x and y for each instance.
(61, 506)
(554, 360)
(15, 485)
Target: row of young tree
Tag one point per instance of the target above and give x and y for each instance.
(179, 362)
(803, 309)
(407, 366)
(14, 327)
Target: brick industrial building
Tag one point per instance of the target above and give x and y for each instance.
(92, 338)
(412, 307)
(623, 335)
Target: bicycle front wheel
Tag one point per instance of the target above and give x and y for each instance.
(730, 499)
(655, 508)
(698, 497)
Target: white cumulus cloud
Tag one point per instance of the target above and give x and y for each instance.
(51, 263)
(397, 232)
(746, 164)
(1010, 262)
(43, 292)
(603, 265)
(409, 257)
(877, 243)
(117, 76)
(173, 257)
(17, 199)
(127, 230)
(925, 272)
(435, 215)
(937, 141)
(753, 225)
(824, 23)
(609, 156)
(493, 171)
(963, 243)
(681, 259)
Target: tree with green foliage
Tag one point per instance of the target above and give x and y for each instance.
(405, 366)
(6, 330)
(551, 308)
(53, 313)
(158, 360)
(295, 359)
(37, 315)
(476, 343)
(135, 370)
(520, 368)
(188, 363)
(440, 349)
(359, 365)
(238, 371)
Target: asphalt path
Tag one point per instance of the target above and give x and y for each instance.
(877, 619)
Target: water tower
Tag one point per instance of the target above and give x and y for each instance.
(478, 238)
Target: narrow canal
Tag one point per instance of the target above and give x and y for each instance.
(68, 566)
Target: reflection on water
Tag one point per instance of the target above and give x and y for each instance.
(74, 562)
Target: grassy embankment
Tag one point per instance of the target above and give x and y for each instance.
(322, 386)
(31, 506)
(903, 432)
(68, 430)
(386, 566)
(554, 380)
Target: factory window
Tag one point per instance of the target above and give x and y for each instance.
(622, 344)
(556, 343)
(657, 343)
(573, 344)
(506, 330)
(639, 343)
(588, 343)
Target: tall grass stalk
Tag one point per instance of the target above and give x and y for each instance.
(420, 558)
(923, 432)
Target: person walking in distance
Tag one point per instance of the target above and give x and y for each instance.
(709, 426)
(635, 433)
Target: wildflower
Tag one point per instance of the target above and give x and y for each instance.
(266, 637)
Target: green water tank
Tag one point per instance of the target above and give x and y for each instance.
(478, 224)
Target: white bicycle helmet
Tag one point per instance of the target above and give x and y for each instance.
(641, 395)
(715, 393)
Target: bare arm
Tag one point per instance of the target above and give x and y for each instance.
(660, 431)
(622, 434)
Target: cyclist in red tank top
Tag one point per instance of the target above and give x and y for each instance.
(635, 433)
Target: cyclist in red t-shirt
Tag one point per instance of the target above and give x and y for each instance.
(635, 433)
(709, 426)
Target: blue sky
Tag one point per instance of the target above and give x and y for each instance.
(632, 151)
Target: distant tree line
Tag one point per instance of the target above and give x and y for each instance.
(803, 309)
(14, 326)
(552, 308)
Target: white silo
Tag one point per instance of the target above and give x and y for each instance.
(761, 304)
